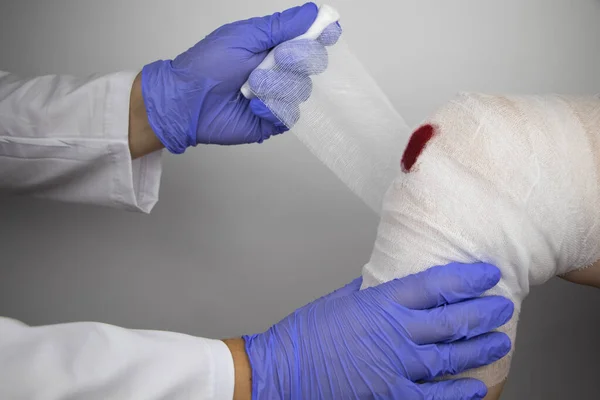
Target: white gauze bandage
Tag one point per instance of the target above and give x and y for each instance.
(512, 181)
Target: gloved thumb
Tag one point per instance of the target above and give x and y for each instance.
(281, 27)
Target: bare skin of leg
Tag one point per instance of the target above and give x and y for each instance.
(588, 276)
(494, 392)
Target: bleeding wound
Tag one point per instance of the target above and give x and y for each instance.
(415, 146)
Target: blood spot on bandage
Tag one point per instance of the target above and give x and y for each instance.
(415, 146)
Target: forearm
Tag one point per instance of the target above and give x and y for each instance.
(142, 140)
(67, 139)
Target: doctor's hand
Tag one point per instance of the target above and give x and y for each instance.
(196, 97)
(388, 341)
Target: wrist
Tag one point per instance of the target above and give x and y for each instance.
(274, 362)
(242, 368)
(142, 139)
(167, 109)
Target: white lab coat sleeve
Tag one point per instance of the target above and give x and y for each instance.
(95, 361)
(67, 139)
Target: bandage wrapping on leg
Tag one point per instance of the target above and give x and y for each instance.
(512, 181)
(508, 180)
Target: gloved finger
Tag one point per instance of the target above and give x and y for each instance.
(330, 35)
(264, 130)
(457, 389)
(261, 110)
(271, 30)
(305, 56)
(280, 85)
(288, 112)
(440, 285)
(457, 357)
(459, 321)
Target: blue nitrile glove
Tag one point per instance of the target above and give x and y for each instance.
(196, 97)
(386, 342)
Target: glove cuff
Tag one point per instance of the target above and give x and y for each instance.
(155, 78)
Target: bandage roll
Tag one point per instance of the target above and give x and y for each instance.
(343, 117)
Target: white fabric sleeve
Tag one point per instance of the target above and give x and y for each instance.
(66, 139)
(95, 361)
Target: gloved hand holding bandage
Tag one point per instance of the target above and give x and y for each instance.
(195, 98)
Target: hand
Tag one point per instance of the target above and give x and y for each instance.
(388, 341)
(196, 97)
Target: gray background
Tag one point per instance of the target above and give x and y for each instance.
(242, 236)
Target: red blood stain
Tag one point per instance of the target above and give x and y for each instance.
(415, 146)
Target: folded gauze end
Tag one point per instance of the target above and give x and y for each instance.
(512, 181)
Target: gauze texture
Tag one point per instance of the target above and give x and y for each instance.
(512, 181)
(322, 92)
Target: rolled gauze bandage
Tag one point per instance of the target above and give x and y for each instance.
(327, 15)
(342, 116)
(513, 181)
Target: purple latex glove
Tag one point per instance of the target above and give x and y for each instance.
(386, 342)
(196, 97)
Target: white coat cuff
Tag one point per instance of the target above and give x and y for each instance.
(137, 182)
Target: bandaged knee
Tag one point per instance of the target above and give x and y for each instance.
(512, 181)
